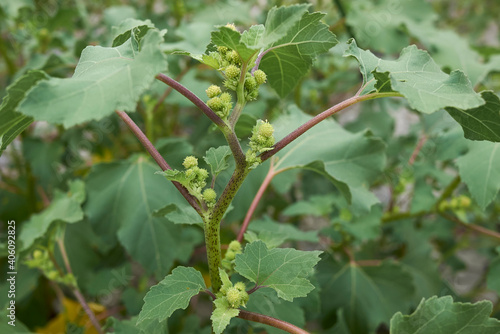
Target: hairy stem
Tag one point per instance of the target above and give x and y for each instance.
(320, 117)
(267, 320)
(157, 157)
(256, 200)
(240, 96)
(76, 291)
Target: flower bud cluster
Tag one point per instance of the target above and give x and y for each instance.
(457, 203)
(233, 250)
(219, 102)
(262, 140)
(41, 259)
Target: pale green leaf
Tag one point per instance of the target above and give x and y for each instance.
(222, 315)
(127, 203)
(173, 293)
(13, 123)
(288, 59)
(442, 316)
(417, 77)
(282, 269)
(254, 35)
(216, 158)
(286, 231)
(479, 169)
(65, 207)
(368, 295)
(481, 123)
(106, 79)
(130, 28)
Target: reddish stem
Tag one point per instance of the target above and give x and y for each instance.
(156, 156)
(321, 117)
(417, 149)
(256, 200)
(267, 320)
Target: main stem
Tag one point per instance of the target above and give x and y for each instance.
(267, 320)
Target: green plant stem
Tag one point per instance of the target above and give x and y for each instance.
(240, 98)
(267, 320)
(212, 225)
(448, 191)
(78, 294)
(157, 157)
(320, 117)
(267, 180)
(474, 227)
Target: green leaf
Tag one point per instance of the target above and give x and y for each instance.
(13, 123)
(173, 293)
(180, 214)
(232, 39)
(284, 230)
(481, 123)
(443, 316)
(105, 79)
(492, 280)
(279, 21)
(350, 161)
(478, 168)
(216, 158)
(282, 269)
(134, 28)
(65, 207)
(368, 295)
(127, 204)
(417, 77)
(222, 315)
(288, 59)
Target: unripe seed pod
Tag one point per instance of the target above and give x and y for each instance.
(226, 98)
(52, 275)
(190, 162)
(209, 195)
(233, 57)
(232, 71)
(250, 83)
(240, 286)
(465, 201)
(215, 103)
(260, 77)
(37, 254)
(222, 49)
(202, 173)
(213, 91)
(235, 246)
(230, 255)
(233, 297)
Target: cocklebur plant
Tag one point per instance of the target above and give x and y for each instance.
(277, 54)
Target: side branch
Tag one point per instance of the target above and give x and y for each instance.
(156, 156)
(234, 143)
(321, 117)
(267, 320)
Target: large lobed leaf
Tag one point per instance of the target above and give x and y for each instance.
(479, 169)
(122, 199)
(65, 207)
(172, 293)
(105, 79)
(442, 316)
(282, 269)
(13, 123)
(289, 58)
(417, 77)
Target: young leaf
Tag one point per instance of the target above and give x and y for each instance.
(13, 123)
(134, 28)
(417, 77)
(216, 158)
(65, 207)
(442, 316)
(288, 59)
(282, 269)
(222, 315)
(481, 123)
(362, 291)
(232, 39)
(172, 293)
(105, 79)
(478, 168)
